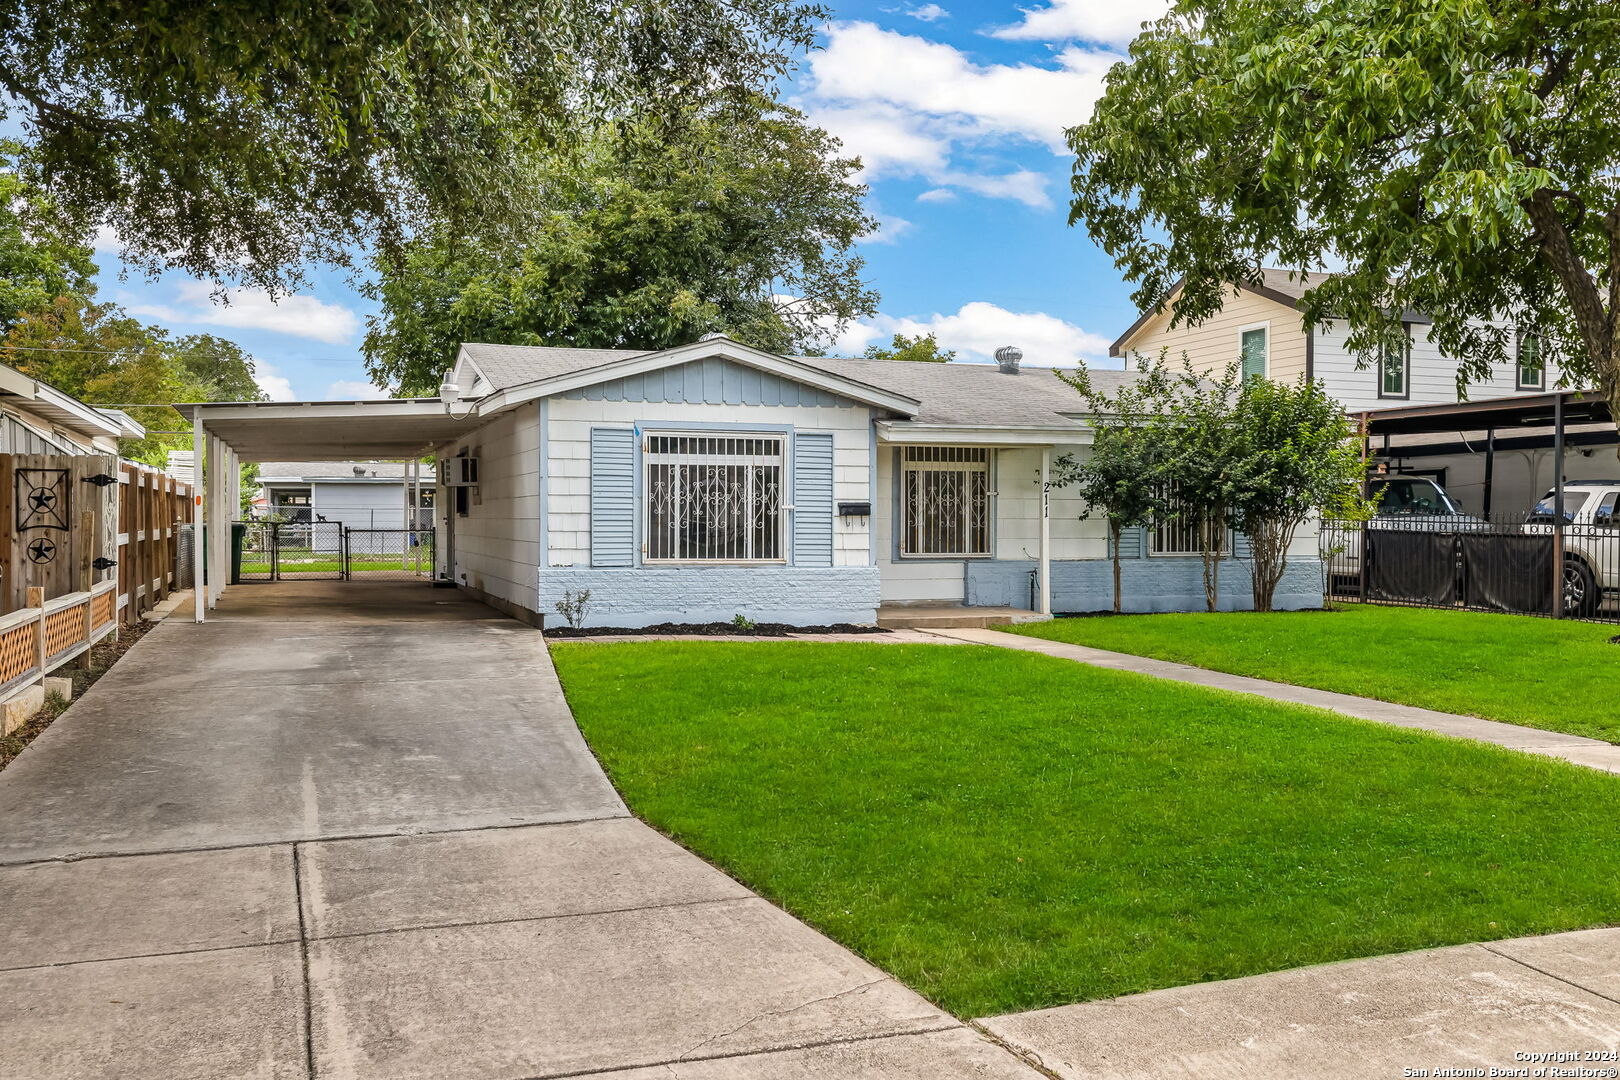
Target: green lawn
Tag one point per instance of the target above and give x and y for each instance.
(1541, 672)
(1008, 831)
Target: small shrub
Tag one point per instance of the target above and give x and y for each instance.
(743, 623)
(574, 605)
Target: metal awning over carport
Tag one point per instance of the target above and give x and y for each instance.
(227, 435)
(1525, 421)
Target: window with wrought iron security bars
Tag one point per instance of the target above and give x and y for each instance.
(1177, 532)
(293, 551)
(945, 492)
(1518, 564)
(714, 498)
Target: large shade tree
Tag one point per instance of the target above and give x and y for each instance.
(1458, 157)
(731, 216)
(244, 137)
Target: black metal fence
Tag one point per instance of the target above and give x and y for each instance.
(1507, 564)
(330, 550)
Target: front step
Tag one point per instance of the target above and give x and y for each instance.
(939, 618)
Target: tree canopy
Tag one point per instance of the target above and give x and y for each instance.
(734, 216)
(41, 255)
(1457, 157)
(244, 138)
(920, 348)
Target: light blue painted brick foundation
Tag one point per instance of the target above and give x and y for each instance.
(1146, 585)
(801, 595)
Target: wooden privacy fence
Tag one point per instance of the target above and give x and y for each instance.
(34, 641)
(71, 524)
(151, 507)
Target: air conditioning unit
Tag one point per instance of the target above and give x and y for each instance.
(461, 472)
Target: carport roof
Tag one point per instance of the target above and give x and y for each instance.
(331, 430)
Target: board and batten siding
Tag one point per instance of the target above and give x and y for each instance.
(1217, 341)
(571, 422)
(497, 545)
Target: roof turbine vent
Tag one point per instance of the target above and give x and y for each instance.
(1008, 358)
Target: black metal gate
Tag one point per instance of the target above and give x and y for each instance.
(330, 550)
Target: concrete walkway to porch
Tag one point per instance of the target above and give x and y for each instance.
(350, 830)
(1577, 749)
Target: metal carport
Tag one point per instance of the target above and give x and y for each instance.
(228, 435)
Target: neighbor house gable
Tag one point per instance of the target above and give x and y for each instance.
(1217, 341)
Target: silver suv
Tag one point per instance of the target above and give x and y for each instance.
(1591, 541)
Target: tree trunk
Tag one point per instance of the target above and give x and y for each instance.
(1115, 530)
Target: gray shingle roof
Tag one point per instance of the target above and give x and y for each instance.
(337, 470)
(955, 393)
(513, 365)
(973, 394)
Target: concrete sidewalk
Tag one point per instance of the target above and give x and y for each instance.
(1469, 1007)
(351, 831)
(1592, 753)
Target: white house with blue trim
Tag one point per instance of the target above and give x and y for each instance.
(712, 480)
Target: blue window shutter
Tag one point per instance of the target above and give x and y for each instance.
(1132, 543)
(813, 500)
(613, 497)
(1240, 546)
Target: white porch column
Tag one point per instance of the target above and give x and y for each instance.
(1046, 530)
(199, 557)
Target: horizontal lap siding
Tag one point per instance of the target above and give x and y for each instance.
(498, 543)
(1216, 342)
(1432, 375)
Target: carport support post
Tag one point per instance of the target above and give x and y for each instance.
(1558, 506)
(1490, 467)
(1046, 531)
(199, 558)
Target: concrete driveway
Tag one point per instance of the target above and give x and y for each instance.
(352, 831)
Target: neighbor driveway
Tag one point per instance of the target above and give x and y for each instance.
(352, 831)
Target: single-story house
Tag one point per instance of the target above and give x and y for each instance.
(711, 480)
(356, 494)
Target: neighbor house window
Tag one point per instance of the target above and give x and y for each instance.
(1394, 369)
(945, 497)
(1532, 366)
(1252, 348)
(1177, 532)
(714, 498)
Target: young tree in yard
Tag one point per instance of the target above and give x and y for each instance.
(1457, 157)
(1292, 456)
(737, 217)
(922, 348)
(1199, 472)
(1118, 477)
(242, 138)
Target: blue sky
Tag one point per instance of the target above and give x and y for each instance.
(957, 110)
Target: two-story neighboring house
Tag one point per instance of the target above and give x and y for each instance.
(1261, 326)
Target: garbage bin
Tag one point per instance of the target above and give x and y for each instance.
(238, 538)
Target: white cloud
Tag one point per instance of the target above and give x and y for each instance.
(908, 106)
(978, 329)
(353, 390)
(254, 309)
(866, 64)
(927, 12)
(105, 242)
(1113, 23)
(889, 229)
(937, 195)
(275, 386)
(1023, 186)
